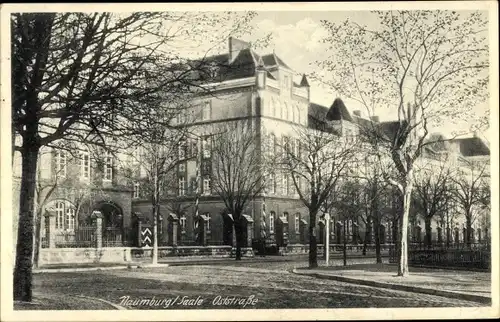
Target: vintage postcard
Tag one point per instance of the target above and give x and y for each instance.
(249, 161)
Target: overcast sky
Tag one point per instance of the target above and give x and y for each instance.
(296, 38)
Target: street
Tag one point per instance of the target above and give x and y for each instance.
(239, 285)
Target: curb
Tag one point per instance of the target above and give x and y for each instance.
(414, 289)
(116, 306)
(90, 269)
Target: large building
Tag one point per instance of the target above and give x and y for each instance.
(259, 89)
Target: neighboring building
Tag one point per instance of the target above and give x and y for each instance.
(72, 184)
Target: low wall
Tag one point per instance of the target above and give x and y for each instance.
(137, 254)
(49, 256)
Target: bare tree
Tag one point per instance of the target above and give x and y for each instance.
(154, 158)
(469, 193)
(237, 170)
(80, 76)
(316, 161)
(433, 62)
(432, 192)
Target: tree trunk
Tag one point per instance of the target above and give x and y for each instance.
(468, 227)
(367, 235)
(403, 243)
(428, 232)
(365, 244)
(377, 240)
(24, 247)
(37, 238)
(313, 245)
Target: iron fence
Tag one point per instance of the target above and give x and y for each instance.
(477, 256)
(112, 237)
(80, 237)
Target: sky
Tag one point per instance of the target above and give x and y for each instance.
(296, 38)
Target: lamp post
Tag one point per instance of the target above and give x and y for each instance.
(327, 241)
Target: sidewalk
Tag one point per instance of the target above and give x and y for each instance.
(182, 261)
(62, 302)
(466, 285)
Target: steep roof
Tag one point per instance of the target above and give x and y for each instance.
(217, 68)
(474, 146)
(303, 81)
(338, 111)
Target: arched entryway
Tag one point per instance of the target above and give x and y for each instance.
(112, 223)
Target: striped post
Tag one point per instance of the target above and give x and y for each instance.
(197, 188)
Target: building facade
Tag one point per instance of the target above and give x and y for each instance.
(260, 90)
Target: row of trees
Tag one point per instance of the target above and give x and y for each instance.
(88, 78)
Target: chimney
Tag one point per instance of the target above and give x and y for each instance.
(409, 113)
(375, 119)
(357, 113)
(235, 46)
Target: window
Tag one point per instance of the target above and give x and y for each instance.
(284, 113)
(272, 144)
(300, 184)
(182, 222)
(61, 164)
(206, 112)
(182, 167)
(70, 219)
(85, 165)
(182, 186)
(136, 190)
(273, 183)
(108, 167)
(65, 216)
(272, 103)
(59, 215)
(206, 186)
(297, 223)
(284, 183)
(206, 168)
(286, 82)
(297, 114)
(182, 151)
(209, 219)
(206, 146)
(272, 215)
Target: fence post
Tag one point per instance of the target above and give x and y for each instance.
(97, 215)
(50, 228)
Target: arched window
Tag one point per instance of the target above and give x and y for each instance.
(182, 222)
(297, 114)
(272, 216)
(272, 105)
(65, 214)
(209, 219)
(284, 113)
(297, 222)
(272, 144)
(279, 109)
